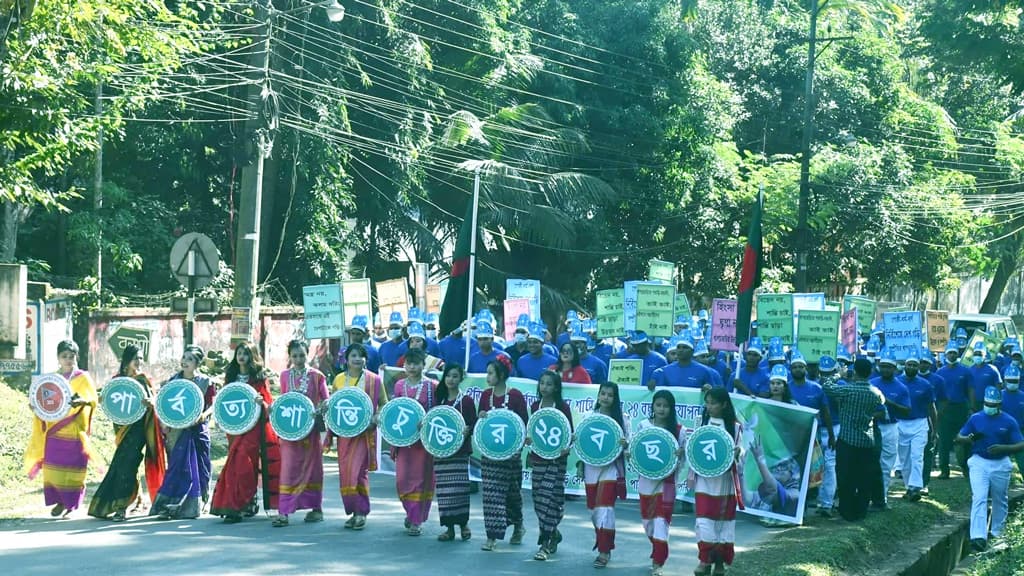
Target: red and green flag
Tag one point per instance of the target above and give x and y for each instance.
(750, 276)
(453, 310)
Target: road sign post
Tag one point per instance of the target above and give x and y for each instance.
(194, 262)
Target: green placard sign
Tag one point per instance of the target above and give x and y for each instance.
(626, 371)
(682, 307)
(818, 333)
(610, 314)
(866, 310)
(661, 270)
(775, 317)
(654, 307)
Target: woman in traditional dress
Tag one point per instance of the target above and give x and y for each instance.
(302, 463)
(414, 466)
(568, 365)
(716, 496)
(452, 473)
(604, 484)
(502, 479)
(61, 449)
(252, 455)
(548, 476)
(657, 497)
(357, 456)
(141, 439)
(187, 481)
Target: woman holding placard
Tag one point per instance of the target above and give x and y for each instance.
(357, 456)
(502, 479)
(61, 449)
(452, 473)
(657, 497)
(187, 481)
(548, 475)
(135, 442)
(251, 454)
(607, 483)
(302, 463)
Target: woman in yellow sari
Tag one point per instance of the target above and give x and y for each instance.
(61, 449)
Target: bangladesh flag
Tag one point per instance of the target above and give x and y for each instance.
(453, 310)
(750, 277)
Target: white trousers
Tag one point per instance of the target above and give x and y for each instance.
(890, 448)
(989, 478)
(913, 435)
(827, 490)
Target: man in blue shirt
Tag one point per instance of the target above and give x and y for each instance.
(827, 369)
(897, 402)
(993, 436)
(953, 407)
(391, 350)
(719, 371)
(939, 386)
(535, 362)
(609, 348)
(357, 333)
(915, 427)
(597, 369)
(810, 394)
(684, 372)
(453, 347)
(1013, 404)
(983, 375)
(485, 339)
(642, 351)
(753, 378)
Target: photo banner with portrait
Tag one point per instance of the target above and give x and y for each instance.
(778, 439)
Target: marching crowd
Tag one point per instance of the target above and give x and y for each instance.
(877, 415)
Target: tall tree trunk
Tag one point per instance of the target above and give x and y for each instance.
(1007, 267)
(9, 221)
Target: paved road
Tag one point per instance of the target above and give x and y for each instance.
(143, 546)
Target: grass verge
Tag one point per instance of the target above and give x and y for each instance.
(21, 497)
(1006, 559)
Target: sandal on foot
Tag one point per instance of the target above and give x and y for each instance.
(118, 516)
(314, 516)
(601, 561)
(446, 536)
(719, 570)
(657, 571)
(517, 535)
(351, 522)
(489, 546)
(233, 519)
(414, 530)
(57, 510)
(360, 523)
(541, 555)
(280, 521)
(465, 533)
(705, 571)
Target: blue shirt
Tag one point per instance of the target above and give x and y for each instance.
(894, 391)
(390, 352)
(1013, 404)
(478, 362)
(809, 394)
(530, 366)
(723, 373)
(984, 375)
(372, 359)
(998, 429)
(695, 375)
(453, 350)
(606, 349)
(957, 379)
(597, 369)
(652, 362)
(938, 385)
(758, 381)
(922, 397)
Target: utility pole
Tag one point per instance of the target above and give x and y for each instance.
(802, 232)
(261, 128)
(97, 186)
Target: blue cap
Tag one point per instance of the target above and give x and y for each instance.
(1012, 373)
(993, 395)
(755, 345)
(484, 315)
(702, 315)
(396, 318)
(416, 331)
(484, 330)
(775, 351)
(415, 316)
(572, 315)
(431, 318)
(685, 338)
(683, 320)
(1016, 350)
(523, 322)
(1010, 341)
(961, 333)
(926, 357)
(576, 327)
(700, 348)
(753, 325)
(952, 347)
(590, 325)
(638, 337)
(912, 356)
(843, 354)
(795, 357)
(826, 364)
(888, 356)
(979, 348)
(536, 331)
(779, 372)
(873, 345)
(358, 323)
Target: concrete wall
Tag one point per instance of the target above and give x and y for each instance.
(968, 299)
(277, 325)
